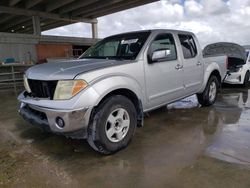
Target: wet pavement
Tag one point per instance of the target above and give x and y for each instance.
(181, 145)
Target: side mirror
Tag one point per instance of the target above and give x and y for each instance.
(160, 54)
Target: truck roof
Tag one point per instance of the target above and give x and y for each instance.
(155, 31)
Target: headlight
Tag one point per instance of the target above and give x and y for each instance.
(26, 84)
(66, 89)
(240, 69)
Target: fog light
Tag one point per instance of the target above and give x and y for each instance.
(60, 122)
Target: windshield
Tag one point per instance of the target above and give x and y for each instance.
(123, 46)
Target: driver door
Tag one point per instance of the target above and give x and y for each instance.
(164, 78)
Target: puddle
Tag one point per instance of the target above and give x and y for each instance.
(228, 121)
(231, 141)
(178, 145)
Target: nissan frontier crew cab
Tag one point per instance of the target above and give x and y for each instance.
(103, 95)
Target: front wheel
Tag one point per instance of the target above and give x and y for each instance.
(209, 95)
(113, 125)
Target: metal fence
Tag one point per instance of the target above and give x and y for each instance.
(11, 77)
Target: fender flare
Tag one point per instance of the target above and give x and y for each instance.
(213, 67)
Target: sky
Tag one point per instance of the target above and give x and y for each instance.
(211, 20)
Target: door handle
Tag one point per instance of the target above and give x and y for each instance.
(178, 67)
(198, 63)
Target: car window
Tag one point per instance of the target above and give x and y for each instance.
(189, 48)
(108, 49)
(164, 42)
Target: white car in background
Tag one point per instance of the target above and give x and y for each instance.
(238, 61)
(240, 74)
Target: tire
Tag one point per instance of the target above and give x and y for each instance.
(209, 95)
(113, 125)
(246, 79)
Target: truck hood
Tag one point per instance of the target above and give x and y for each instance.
(69, 69)
(225, 48)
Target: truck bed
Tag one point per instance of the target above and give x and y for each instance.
(221, 60)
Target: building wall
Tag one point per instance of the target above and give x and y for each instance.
(20, 52)
(45, 51)
(23, 47)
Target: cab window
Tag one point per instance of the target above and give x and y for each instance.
(164, 42)
(189, 48)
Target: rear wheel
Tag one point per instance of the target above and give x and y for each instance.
(246, 79)
(209, 95)
(113, 125)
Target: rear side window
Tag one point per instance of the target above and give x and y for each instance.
(189, 48)
(164, 42)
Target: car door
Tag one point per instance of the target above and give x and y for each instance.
(192, 64)
(164, 81)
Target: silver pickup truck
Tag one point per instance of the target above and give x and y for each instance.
(103, 95)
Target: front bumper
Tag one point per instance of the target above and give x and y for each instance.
(75, 121)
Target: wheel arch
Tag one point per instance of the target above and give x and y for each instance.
(216, 73)
(131, 96)
(245, 83)
(208, 73)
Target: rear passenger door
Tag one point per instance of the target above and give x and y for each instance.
(192, 64)
(164, 82)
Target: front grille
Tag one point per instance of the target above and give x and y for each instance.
(42, 89)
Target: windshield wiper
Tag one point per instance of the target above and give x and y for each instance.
(116, 58)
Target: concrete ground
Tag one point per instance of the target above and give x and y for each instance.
(182, 145)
